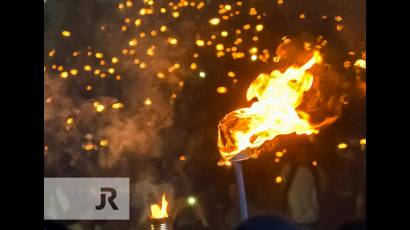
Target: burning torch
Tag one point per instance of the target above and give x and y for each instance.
(274, 113)
(159, 219)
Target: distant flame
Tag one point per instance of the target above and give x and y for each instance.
(158, 212)
(275, 113)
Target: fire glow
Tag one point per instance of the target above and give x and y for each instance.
(160, 212)
(275, 113)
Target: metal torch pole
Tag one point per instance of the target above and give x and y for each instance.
(241, 189)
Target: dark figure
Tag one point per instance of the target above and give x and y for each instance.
(267, 223)
(356, 225)
(50, 225)
(303, 182)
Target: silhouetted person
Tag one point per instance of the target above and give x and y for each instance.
(51, 225)
(300, 188)
(356, 225)
(267, 223)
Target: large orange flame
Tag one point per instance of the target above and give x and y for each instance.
(274, 113)
(158, 212)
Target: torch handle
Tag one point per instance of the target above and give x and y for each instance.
(241, 189)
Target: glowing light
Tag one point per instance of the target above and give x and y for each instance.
(347, 64)
(253, 50)
(191, 201)
(254, 57)
(194, 66)
(99, 55)
(221, 90)
(259, 27)
(103, 142)
(100, 108)
(202, 74)
(64, 74)
(66, 33)
(247, 26)
(307, 46)
(70, 121)
(342, 146)
(114, 60)
(224, 33)
(150, 51)
(89, 146)
(200, 42)
(161, 75)
(163, 28)
(231, 74)
(200, 5)
(219, 47)
(360, 63)
(137, 22)
(279, 154)
(181, 83)
(182, 158)
(314, 163)
(148, 101)
(214, 21)
(362, 141)
(117, 105)
(73, 72)
(133, 42)
(172, 41)
(278, 179)
(175, 14)
(252, 11)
